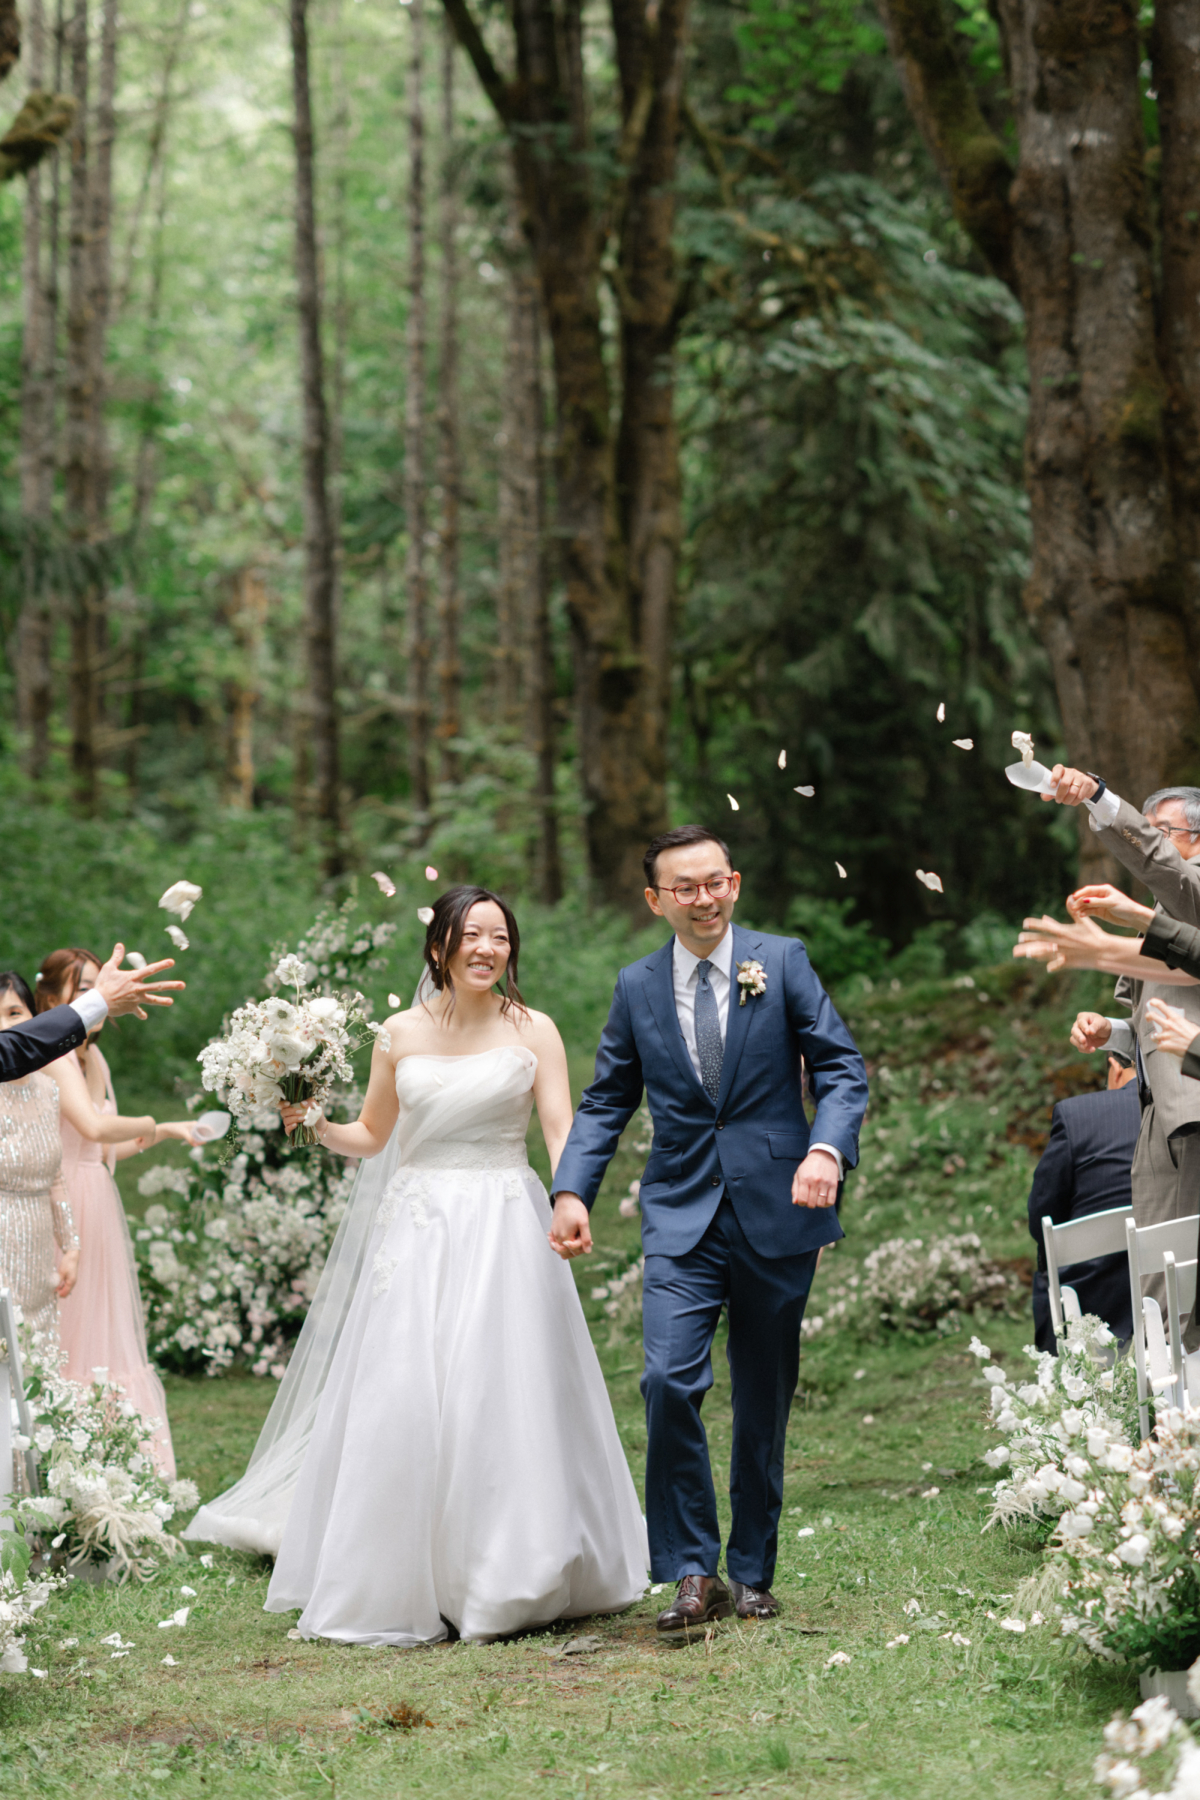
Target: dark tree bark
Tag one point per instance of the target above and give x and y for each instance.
(449, 473)
(79, 494)
(415, 579)
(99, 281)
(1109, 588)
(618, 543)
(10, 37)
(34, 688)
(319, 554)
(517, 508)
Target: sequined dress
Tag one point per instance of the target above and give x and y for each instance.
(35, 1213)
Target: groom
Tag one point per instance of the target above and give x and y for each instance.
(737, 1200)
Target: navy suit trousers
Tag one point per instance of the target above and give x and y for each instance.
(681, 1307)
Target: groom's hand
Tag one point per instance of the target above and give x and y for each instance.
(570, 1228)
(815, 1182)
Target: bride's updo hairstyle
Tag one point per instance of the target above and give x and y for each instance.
(60, 974)
(444, 936)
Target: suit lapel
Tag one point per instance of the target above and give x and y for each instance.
(745, 944)
(660, 992)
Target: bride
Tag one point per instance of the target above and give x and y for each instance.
(442, 1455)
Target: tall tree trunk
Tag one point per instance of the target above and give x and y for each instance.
(518, 498)
(1109, 585)
(416, 585)
(340, 144)
(319, 554)
(247, 615)
(619, 591)
(78, 488)
(34, 690)
(99, 280)
(449, 475)
(539, 679)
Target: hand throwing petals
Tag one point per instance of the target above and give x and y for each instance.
(384, 882)
(808, 792)
(177, 937)
(930, 880)
(782, 763)
(840, 870)
(963, 743)
(733, 803)
(180, 898)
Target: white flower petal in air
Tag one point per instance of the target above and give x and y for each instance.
(430, 872)
(135, 959)
(425, 914)
(782, 759)
(384, 882)
(394, 1002)
(177, 937)
(1022, 741)
(941, 713)
(808, 792)
(180, 898)
(733, 803)
(840, 870)
(963, 743)
(930, 880)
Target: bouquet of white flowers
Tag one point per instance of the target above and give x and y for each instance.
(276, 1049)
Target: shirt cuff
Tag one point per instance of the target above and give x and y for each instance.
(1104, 810)
(1121, 1039)
(836, 1154)
(91, 1007)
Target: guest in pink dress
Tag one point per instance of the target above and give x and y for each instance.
(101, 1324)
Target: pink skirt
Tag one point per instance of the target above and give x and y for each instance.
(100, 1322)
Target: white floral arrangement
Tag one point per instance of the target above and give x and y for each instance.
(229, 1270)
(103, 1497)
(1152, 1729)
(1074, 1421)
(21, 1597)
(911, 1285)
(338, 950)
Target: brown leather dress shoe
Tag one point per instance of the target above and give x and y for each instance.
(753, 1603)
(700, 1598)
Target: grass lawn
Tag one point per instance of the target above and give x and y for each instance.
(962, 1085)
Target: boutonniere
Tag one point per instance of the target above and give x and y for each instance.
(752, 979)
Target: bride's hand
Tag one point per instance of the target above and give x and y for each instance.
(570, 1229)
(1175, 1033)
(293, 1115)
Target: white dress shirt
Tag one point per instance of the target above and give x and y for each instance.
(91, 1007)
(684, 966)
(1103, 810)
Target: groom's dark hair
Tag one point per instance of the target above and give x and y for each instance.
(679, 839)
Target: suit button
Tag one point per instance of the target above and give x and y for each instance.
(716, 1181)
(720, 1124)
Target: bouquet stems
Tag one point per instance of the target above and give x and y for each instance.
(297, 1088)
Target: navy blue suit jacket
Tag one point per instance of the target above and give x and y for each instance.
(1085, 1169)
(24, 1048)
(749, 1143)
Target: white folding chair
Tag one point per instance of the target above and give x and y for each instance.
(13, 1403)
(1079, 1240)
(1181, 1297)
(1146, 1247)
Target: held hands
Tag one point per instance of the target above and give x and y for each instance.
(1091, 1031)
(68, 1271)
(129, 990)
(570, 1229)
(1175, 1033)
(1106, 902)
(815, 1182)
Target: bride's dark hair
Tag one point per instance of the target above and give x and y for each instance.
(444, 936)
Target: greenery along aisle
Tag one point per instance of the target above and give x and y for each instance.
(883, 1541)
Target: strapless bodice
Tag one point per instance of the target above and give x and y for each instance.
(466, 1112)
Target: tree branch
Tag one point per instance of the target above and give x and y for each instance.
(491, 80)
(945, 109)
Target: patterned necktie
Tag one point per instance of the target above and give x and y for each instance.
(709, 1045)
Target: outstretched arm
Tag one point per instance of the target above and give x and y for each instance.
(1085, 946)
(76, 1107)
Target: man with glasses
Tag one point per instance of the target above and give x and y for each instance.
(738, 1198)
(1161, 847)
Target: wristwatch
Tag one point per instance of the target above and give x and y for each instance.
(1101, 787)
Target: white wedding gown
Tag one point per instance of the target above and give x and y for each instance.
(464, 1465)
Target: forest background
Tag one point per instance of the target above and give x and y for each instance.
(480, 436)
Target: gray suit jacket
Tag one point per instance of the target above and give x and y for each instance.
(1175, 885)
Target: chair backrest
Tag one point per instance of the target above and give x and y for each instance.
(1146, 1245)
(1096, 1234)
(1181, 1298)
